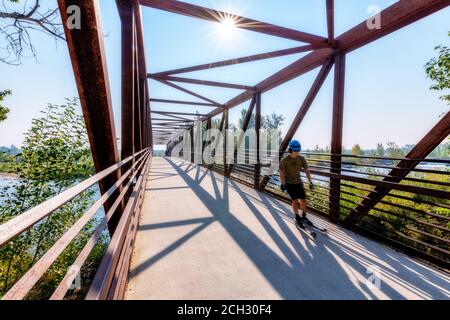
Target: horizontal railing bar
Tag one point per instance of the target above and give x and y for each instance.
(100, 285)
(379, 166)
(13, 228)
(391, 185)
(65, 284)
(27, 282)
(439, 183)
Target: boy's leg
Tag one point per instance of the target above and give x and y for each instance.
(303, 205)
(295, 206)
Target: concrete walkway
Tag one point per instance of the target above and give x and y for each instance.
(205, 237)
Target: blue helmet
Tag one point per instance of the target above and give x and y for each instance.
(295, 146)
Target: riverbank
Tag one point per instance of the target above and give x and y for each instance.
(8, 176)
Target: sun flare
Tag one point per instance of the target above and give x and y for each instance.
(227, 26)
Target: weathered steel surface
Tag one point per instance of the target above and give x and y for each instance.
(241, 22)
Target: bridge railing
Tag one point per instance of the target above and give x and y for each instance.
(402, 202)
(125, 194)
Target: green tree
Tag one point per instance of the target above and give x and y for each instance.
(3, 110)
(380, 150)
(356, 150)
(394, 151)
(438, 70)
(55, 156)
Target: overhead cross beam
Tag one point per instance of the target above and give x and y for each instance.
(229, 62)
(212, 15)
(299, 67)
(183, 102)
(170, 84)
(179, 113)
(203, 82)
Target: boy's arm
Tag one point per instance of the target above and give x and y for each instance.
(308, 174)
(282, 173)
(282, 176)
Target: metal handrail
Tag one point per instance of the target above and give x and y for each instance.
(18, 225)
(13, 228)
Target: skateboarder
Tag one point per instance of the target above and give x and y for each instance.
(290, 168)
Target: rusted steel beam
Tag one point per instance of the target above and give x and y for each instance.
(212, 15)
(336, 134)
(397, 16)
(170, 120)
(137, 100)
(143, 84)
(301, 66)
(425, 146)
(257, 173)
(87, 55)
(179, 113)
(174, 117)
(310, 97)
(330, 21)
(190, 103)
(203, 82)
(257, 57)
(170, 84)
(128, 80)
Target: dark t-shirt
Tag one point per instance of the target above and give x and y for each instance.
(292, 166)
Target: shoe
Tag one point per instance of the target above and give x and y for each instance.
(306, 220)
(299, 221)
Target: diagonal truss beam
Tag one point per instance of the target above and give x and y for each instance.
(397, 16)
(309, 99)
(230, 62)
(212, 15)
(203, 82)
(299, 67)
(179, 113)
(170, 84)
(425, 146)
(190, 103)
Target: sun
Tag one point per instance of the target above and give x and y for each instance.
(227, 26)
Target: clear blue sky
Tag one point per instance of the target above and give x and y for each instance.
(387, 93)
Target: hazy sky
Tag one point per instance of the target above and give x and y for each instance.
(387, 94)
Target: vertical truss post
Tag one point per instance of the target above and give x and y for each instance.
(336, 137)
(137, 99)
(128, 79)
(257, 169)
(207, 134)
(225, 141)
(191, 132)
(86, 49)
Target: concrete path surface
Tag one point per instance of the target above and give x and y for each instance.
(202, 236)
